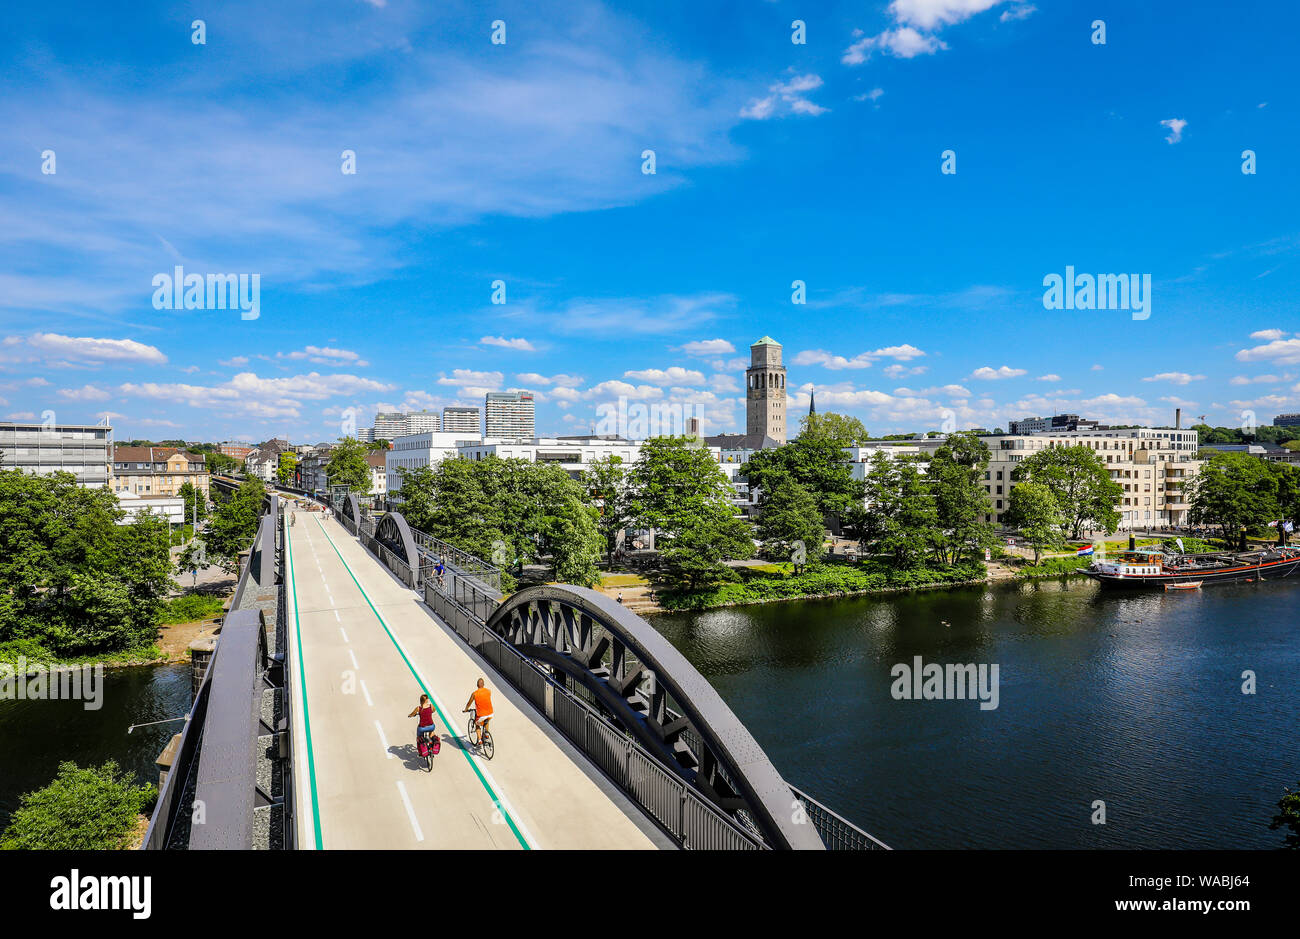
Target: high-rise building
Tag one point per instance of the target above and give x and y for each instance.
(389, 424)
(461, 420)
(1287, 420)
(84, 450)
(509, 415)
(765, 397)
(423, 422)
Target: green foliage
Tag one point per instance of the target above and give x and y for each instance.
(347, 466)
(1264, 434)
(72, 580)
(820, 581)
(815, 461)
(232, 528)
(790, 525)
(1080, 483)
(900, 516)
(287, 464)
(81, 810)
(1035, 513)
(1235, 491)
(221, 463)
(839, 429)
(1288, 816)
(191, 608)
(954, 478)
(607, 486)
(1055, 567)
(509, 512)
(679, 490)
(195, 501)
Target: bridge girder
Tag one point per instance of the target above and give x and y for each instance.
(658, 697)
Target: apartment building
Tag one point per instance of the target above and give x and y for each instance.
(509, 415)
(239, 451)
(84, 450)
(1152, 464)
(389, 425)
(462, 420)
(157, 471)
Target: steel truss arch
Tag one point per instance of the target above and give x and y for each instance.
(393, 533)
(658, 697)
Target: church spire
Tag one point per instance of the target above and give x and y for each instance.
(812, 403)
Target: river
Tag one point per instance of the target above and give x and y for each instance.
(1132, 699)
(35, 736)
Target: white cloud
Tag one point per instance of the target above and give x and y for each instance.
(247, 395)
(84, 393)
(993, 374)
(873, 95)
(562, 381)
(675, 375)
(465, 378)
(234, 362)
(1175, 125)
(89, 350)
(929, 14)
(904, 43)
(318, 355)
(1281, 351)
(1177, 378)
(522, 345)
(903, 353)
(900, 371)
(1018, 13)
(708, 347)
(1049, 377)
(1259, 379)
(790, 93)
(1267, 334)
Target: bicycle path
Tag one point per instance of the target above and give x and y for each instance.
(362, 649)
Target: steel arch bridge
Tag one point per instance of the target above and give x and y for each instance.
(658, 697)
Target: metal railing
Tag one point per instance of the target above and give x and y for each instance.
(468, 564)
(463, 603)
(838, 833)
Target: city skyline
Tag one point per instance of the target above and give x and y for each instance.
(924, 292)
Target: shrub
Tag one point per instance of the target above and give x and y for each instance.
(191, 607)
(82, 809)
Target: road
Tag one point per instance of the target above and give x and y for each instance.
(362, 649)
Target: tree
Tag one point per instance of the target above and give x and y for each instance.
(900, 511)
(818, 463)
(1034, 512)
(839, 429)
(347, 466)
(196, 502)
(790, 525)
(954, 477)
(679, 490)
(1235, 491)
(1288, 816)
(234, 525)
(380, 444)
(1080, 483)
(90, 809)
(606, 480)
(288, 462)
(221, 463)
(72, 579)
(511, 512)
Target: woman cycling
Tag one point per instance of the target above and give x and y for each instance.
(425, 711)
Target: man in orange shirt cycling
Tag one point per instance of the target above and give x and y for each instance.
(481, 703)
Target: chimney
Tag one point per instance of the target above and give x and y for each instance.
(694, 427)
(1178, 418)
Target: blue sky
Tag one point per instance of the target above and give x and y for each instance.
(521, 162)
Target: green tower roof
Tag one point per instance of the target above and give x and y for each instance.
(767, 341)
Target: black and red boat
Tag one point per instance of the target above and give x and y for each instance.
(1166, 569)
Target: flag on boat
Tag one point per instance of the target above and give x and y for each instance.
(1084, 551)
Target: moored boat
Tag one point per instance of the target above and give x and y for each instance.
(1174, 571)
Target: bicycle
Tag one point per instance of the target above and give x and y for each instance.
(480, 739)
(430, 748)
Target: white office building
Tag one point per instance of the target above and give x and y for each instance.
(389, 425)
(462, 420)
(84, 450)
(509, 415)
(423, 422)
(416, 450)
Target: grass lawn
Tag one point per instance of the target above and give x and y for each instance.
(623, 580)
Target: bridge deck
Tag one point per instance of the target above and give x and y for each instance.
(363, 650)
